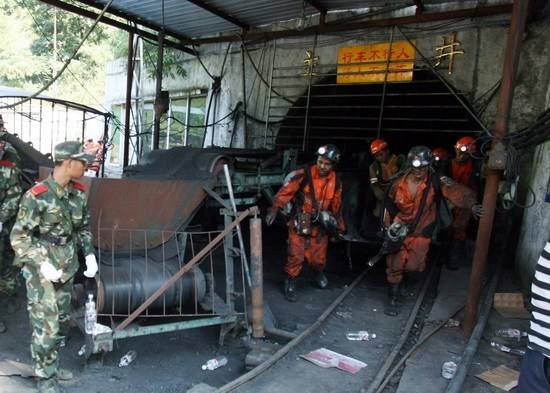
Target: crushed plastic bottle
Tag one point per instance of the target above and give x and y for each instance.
(90, 317)
(448, 370)
(215, 363)
(127, 359)
(510, 333)
(361, 335)
(504, 348)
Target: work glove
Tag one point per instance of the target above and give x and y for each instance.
(49, 272)
(91, 266)
(478, 211)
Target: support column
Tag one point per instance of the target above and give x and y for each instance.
(128, 108)
(479, 263)
(256, 262)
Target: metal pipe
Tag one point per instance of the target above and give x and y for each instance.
(309, 80)
(455, 386)
(105, 142)
(128, 108)
(270, 88)
(158, 89)
(256, 265)
(511, 59)
(239, 233)
(188, 266)
(245, 123)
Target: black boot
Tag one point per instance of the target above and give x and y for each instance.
(290, 289)
(455, 255)
(321, 280)
(393, 307)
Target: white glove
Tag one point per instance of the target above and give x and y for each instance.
(49, 272)
(91, 266)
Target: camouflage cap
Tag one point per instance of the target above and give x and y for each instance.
(71, 150)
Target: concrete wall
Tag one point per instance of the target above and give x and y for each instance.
(475, 72)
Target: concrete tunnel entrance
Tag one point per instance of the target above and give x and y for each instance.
(423, 111)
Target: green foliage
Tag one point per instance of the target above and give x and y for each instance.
(28, 59)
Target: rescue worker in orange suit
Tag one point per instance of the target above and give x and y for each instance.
(384, 166)
(464, 170)
(411, 213)
(316, 194)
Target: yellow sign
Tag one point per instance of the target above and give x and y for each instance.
(369, 63)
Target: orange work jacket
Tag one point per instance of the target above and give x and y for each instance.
(408, 207)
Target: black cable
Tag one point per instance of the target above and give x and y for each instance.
(261, 76)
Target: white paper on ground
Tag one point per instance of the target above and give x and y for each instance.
(326, 358)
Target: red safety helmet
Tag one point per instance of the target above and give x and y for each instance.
(377, 146)
(466, 144)
(440, 154)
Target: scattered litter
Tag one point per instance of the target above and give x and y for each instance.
(100, 329)
(82, 350)
(344, 314)
(361, 335)
(448, 370)
(510, 333)
(326, 358)
(215, 363)
(504, 348)
(452, 323)
(510, 305)
(127, 359)
(502, 377)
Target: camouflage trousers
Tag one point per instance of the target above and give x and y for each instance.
(49, 306)
(9, 274)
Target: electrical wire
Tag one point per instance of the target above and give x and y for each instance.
(66, 64)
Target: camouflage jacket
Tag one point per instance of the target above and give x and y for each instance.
(48, 212)
(10, 192)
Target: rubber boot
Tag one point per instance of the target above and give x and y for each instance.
(290, 289)
(393, 307)
(456, 254)
(321, 280)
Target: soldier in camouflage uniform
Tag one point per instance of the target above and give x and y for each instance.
(10, 193)
(51, 227)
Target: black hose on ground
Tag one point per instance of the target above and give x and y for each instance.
(455, 386)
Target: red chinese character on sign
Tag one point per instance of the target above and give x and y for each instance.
(374, 55)
(347, 57)
(391, 52)
(360, 57)
(403, 54)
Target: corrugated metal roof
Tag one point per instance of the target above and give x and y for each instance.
(189, 20)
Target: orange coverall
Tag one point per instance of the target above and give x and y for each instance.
(413, 253)
(328, 193)
(462, 174)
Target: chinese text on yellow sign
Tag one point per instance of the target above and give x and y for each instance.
(368, 63)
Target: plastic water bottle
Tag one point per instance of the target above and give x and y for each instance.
(504, 348)
(215, 363)
(127, 359)
(90, 317)
(510, 333)
(361, 335)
